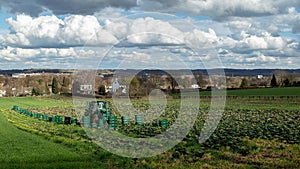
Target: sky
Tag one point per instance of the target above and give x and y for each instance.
(150, 34)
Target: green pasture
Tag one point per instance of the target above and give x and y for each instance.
(287, 91)
(27, 102)
(20, 149)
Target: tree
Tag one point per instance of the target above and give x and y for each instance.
(35, 92)
(65, 85)
(47, 90)
(199, 79)
(173, 83)
(286, 82)
(65, 82)
(134, 86)
(102, 90)
(244, 83)
(55, 89)
(274, 81)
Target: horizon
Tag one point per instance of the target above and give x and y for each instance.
(149, 69)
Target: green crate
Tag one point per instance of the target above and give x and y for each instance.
(86, 121)
(74, 121)
(37, 116)
(106, 116)
(67, 120)
(53, 119)
(139, 119)
(108, 113)
(94, 125)
(101, 123)
(125, 120)
(15, 108)
(45, 117)
(163, 123)
(58, 119)
(113, 122)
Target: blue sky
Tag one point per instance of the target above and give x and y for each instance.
(197, 34)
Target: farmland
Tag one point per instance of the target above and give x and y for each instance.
(288, 91)
(252, 134)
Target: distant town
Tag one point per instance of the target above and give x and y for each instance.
(53, 81)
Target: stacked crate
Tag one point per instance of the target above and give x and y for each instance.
(86, 121)
(45, 117)
(58, 119)
(139, 119)
(101, 123)
(113, 122)
(67, 120)
(74, 121)
(125, 120)
(163, 123)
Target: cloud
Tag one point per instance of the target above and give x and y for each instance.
(213, 8)
(220, 9)
(58, 7)
(50, 31)
(80, 31)
(237, 40)
(152, 31)
(266, 41)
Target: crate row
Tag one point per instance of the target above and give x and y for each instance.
(107, 120)
(112, 122)
(45, 117)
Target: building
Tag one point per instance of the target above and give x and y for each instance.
(23, 75)
(195, 86)
(116, 86)
(86, 89)
(2, 93)
(260, 76)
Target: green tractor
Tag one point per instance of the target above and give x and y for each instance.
(97, 114)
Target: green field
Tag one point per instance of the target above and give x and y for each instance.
(251, 134)
(20, 149)
(287, 91)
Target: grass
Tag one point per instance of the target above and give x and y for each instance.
(27, 102)
(20, 149)
(287, 91)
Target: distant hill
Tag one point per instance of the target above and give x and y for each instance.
(13, 71)
(228, 72)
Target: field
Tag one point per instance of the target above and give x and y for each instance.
(288, 91)
(252, 134)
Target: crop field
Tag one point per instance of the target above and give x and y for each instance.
(251, 134)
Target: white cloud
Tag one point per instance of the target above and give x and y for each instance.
(149, 30)
(220, 9)
(50, 31)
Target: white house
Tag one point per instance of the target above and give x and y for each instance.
(86, 89)
(195, 86)
(115, 86)
(260, 76)
(2, 93)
